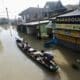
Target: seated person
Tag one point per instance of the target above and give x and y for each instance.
(46, 56)
(26, 46)
(37, 54)
(31, 50)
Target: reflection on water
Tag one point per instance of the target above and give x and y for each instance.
(1, 47)
(14, 65)
(5, 26)
(63, 57)
(37, 44)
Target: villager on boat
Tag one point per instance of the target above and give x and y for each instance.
(41, 57)
(38, 55)
(44, 56)
(25, 44)
(47, 58)
(31, 50)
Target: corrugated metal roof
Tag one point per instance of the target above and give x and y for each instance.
(35, 23)
(31, 10)
(73, 13)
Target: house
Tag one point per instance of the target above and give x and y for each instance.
(50, 9)
(36, 28)
(32, 14)
(67, 29)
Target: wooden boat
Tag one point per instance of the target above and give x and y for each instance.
(31, 53)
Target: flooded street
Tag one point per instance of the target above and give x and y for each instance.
(14, 65)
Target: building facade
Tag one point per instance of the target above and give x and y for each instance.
(67, 30)
(36, 29)
(50, 9)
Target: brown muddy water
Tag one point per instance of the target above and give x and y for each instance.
(14, 65)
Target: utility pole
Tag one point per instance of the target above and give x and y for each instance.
(7, 16)
(8, 20)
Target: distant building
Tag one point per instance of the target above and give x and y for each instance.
(32, 14)
(3, 21)
(54, 8)
(51, 9)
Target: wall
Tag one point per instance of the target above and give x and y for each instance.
(43, 30)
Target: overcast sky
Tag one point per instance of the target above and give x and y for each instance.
(16, 6)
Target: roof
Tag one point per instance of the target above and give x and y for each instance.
(35, 23)
(73, 13)
(31, 10)
(54, 5)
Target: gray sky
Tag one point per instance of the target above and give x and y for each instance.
(16, 6)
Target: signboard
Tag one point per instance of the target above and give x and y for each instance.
(68, 26)
(68, 20)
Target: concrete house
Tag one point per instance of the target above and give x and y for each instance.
(36, 28)
(32, 14)
(50, 9)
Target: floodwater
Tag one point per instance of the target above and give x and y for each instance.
(14, 65)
